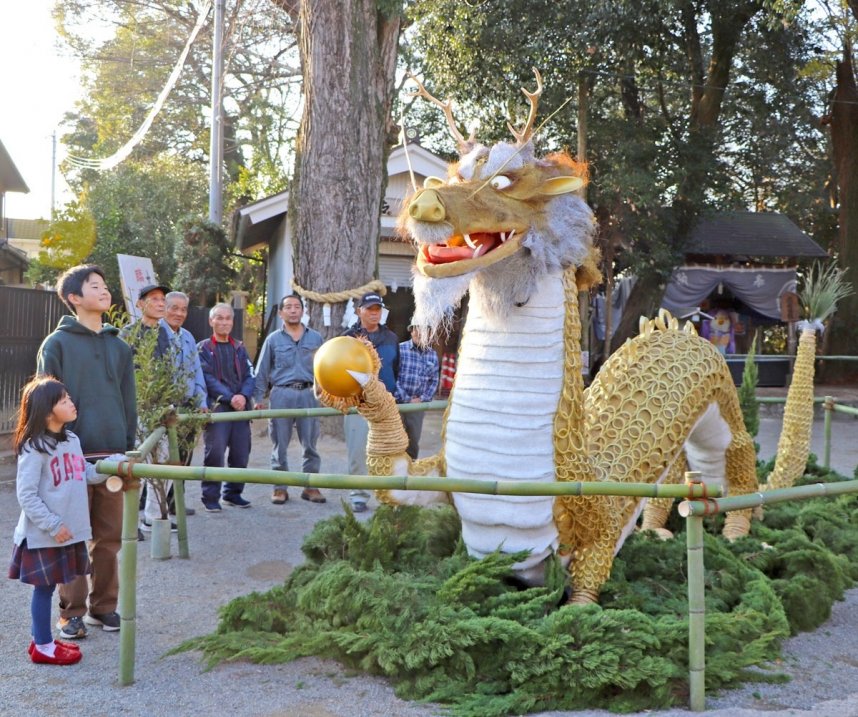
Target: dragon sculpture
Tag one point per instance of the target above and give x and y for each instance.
(509, 228)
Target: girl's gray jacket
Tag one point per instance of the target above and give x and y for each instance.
(52, 491)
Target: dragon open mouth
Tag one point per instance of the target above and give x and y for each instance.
(467, 246)
(464, 253)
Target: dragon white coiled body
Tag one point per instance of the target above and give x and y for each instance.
(508, 382)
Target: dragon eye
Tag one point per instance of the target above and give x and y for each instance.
(500, 182)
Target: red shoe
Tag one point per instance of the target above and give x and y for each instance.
(62, 656)
(71, 647)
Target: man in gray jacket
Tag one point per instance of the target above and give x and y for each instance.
(285, 369)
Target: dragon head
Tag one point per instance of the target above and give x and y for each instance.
(501, 219)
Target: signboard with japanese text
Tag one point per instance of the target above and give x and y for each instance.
(135, 272)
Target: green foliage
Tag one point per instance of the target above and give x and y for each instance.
(125, 70)
(133, 209)
(655, 161)
(202, 258)
(161, 388)
(748, 393)
(69, 239)
(398, 596)
(823, 287)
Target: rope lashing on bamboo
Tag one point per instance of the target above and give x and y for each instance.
(336, 297)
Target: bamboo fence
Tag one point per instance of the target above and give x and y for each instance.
(699, 501)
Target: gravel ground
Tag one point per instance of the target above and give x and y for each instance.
(239, 551)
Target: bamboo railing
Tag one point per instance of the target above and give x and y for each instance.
(699, 501)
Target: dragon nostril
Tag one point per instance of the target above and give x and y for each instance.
(427, 207)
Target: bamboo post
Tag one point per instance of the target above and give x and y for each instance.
(829, 410)
(128, 575)
(178, 492)
(696, 606)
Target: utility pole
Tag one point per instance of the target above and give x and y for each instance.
(216, 143)
(53, 173)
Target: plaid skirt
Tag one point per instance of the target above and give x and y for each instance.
(49, 566)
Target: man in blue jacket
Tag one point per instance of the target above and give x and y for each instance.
(229, 382)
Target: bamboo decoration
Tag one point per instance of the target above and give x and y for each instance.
(178, 493)
(756, 500)
(128, 570)
(822, 289)
(794, 441)
(696, 606)
(404, 482)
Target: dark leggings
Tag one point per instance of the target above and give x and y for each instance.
(40, 611)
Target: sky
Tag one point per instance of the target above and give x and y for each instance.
(40, 82)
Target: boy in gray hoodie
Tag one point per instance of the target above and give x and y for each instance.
(97, 368)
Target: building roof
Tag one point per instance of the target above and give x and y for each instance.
(11, 256)
(10, 179)
(26, 228)
(255, 225)
(756, 234)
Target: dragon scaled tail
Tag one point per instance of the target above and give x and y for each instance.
(794, 442)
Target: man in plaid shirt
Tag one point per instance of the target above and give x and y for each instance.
(417, 383)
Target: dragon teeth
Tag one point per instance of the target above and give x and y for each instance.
(469, 241)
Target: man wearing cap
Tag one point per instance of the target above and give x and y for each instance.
(152, 302)
(284, 372)
(417, 382)
(386, 345)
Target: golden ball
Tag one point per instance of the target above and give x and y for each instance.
(333, 361)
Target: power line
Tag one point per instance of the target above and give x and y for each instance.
(123, 152)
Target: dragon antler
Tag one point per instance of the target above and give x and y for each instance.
(465, 145)
(523, 136)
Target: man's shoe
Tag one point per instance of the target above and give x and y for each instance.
(109, 621)
(279, 496)
(146, 527)
(236, 501)
(314, 495)
(71, 628)
(212, 506)
(140, 537)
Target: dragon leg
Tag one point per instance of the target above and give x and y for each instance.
(657, 510)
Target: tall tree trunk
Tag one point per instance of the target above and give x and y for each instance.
(844, 140)
(348, 52)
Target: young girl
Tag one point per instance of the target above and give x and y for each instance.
(50, 539)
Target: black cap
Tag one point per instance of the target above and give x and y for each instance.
(370, 299)
(151, 287)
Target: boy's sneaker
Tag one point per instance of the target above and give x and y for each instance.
(109, 621)
(212, 506)
(71, 628)
(236, 501)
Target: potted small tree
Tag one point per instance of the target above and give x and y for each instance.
(161, 388)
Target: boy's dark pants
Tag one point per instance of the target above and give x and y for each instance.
(105, 516)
